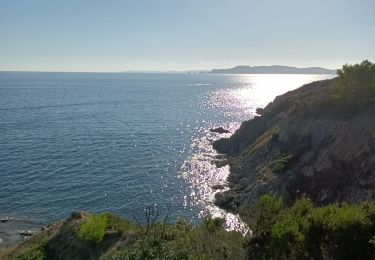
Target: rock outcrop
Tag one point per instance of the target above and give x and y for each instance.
(303, 144)
(219, 130)
(59, 241)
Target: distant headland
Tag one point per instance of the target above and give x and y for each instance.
(274, 69)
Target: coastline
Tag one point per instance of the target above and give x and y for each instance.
(302, 168)
(204, 168)
(301, 145)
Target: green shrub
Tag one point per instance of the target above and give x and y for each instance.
(343, 231)
(35, 252)
(93, 229)
(264, 214)
(120, 224)
(355, 86)
(184, 241)
(213, 224)
(281, 163)
(294, 221)
(304, 231)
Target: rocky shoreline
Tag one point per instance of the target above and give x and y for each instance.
(317, 155)
(301, 145)
(16, 229)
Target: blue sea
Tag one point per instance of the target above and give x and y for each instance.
(119, 141)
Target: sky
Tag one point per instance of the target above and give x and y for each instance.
(163, 35)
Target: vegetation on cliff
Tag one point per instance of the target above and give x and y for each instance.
(317, 141)
(108, 236)
(302, 231)
(312, 148)
(93, 230)
(355, 86)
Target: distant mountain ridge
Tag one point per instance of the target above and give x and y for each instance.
(274, 69)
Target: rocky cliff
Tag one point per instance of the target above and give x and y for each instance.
(302, 144)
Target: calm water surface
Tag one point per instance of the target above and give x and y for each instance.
(118, 142)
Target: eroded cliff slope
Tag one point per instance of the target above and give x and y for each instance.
(303, 144)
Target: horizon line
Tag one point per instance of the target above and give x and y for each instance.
(163, 71)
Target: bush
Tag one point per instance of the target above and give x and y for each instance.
(264, 214)
(93, 229)
(120, 224)
(213, 224)
(304, 231)
(184, 241)
(355, 86)
(36, 252)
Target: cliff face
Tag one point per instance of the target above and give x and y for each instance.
(303, 144)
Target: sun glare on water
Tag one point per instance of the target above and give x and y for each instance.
(238, 102)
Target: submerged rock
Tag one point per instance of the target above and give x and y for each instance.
(219, 130)
(3, 220)
(26, 233)
(218, 187)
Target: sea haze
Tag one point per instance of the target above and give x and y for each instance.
(117, 142)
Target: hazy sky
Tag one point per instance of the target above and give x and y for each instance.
(110, 35)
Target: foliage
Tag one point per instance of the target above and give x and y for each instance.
(355, 86)
(35, 252)
(184, 241)
(281, 163)
(120, 224)
(93, 229)
(213, 224)
(304, 231)
(264, 214)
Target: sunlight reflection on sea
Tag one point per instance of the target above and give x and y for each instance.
(240, 100)
(119, 142)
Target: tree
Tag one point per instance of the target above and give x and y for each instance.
(355, 86)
